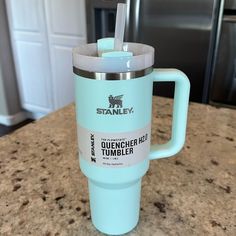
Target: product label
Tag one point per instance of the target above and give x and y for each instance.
(114, 149)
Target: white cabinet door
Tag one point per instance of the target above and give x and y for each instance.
(31, 53)
(43, 33)
(66, 29)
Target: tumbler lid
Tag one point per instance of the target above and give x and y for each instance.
(85, 58)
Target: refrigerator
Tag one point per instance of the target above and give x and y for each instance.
(181, 31)
(223, 89)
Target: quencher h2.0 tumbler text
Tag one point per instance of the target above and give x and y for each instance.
(114, 108)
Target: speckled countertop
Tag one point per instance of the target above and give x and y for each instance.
(43, 192)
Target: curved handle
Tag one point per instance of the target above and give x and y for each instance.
(180, 111)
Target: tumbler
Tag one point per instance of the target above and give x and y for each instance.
(114, 111)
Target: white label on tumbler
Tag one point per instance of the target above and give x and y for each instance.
(114, 149)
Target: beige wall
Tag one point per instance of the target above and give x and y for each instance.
(9, 97)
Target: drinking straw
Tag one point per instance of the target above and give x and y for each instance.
(120, 26)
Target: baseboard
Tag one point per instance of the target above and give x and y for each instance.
(35, 115)
(19, 117)
(13, 119)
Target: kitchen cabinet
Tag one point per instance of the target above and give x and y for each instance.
(43, 33)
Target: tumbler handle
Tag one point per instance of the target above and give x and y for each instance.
(180, 111)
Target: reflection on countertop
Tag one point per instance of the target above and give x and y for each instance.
(43, 191)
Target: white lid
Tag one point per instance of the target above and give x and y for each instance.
(85, 58)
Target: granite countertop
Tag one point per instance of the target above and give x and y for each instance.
(43, 192)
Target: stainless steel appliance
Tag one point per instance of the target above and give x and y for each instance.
(181, 31)
(224, 72)
(101, 16)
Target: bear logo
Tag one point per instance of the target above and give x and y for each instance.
(115, 101)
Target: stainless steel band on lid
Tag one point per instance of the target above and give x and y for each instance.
(113, 76)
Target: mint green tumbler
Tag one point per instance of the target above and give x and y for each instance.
(114, 111)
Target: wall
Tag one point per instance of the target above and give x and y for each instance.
(3, 102)
(9, 97)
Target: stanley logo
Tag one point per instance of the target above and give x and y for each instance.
(115, 107)
(115, 101)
